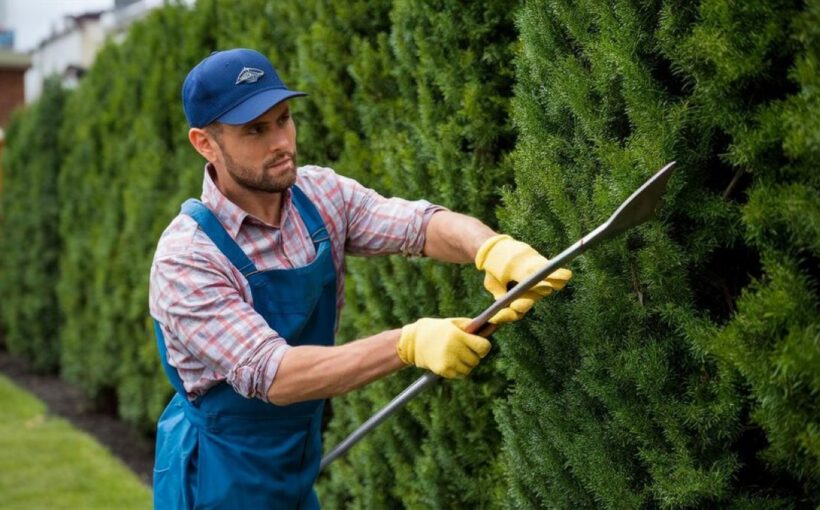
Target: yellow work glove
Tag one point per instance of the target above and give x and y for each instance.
(505, 260)
(442, 346)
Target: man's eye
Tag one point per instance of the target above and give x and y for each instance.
(255, 130)
(284, 118)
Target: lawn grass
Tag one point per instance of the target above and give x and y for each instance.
(46, 463)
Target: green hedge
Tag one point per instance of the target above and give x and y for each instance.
(681, 366)
(29, 242)
(119, 185)
(432, 97)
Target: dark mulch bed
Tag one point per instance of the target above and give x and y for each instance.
(135, 450)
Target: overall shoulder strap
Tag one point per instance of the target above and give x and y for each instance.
(217, 233)
(170, 371)
(310, 215)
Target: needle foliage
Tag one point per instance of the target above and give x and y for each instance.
(29, 240)
(681, 368)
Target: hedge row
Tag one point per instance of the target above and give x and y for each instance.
(30, 242)
(683, 369)
(680, 368)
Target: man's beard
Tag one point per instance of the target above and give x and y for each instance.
(263, 180)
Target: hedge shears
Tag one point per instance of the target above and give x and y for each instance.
(635, 210)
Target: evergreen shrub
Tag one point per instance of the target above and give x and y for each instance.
(431, 102)
(29, 241)
(680, 370)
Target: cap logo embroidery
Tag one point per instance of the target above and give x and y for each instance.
(249, 75)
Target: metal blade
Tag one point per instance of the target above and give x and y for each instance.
(636, 209)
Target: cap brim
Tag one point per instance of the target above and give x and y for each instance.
(256, 105)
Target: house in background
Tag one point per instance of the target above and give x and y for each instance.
(71, 49)
(13, 67)
(66, 53)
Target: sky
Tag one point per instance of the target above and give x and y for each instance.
(34, 20)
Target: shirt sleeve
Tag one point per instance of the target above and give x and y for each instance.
(378, 226)
(210, 321)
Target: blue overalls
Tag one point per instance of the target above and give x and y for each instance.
(229, 452)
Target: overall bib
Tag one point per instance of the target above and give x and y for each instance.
(229, 452)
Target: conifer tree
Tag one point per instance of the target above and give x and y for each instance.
(120, 185)
(29, 241)
(631, 389)
(760, 89)
(431, 97)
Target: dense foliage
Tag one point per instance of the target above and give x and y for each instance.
(30, 244)
(683, 370)
(681, 366)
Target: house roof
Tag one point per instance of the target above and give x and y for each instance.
(14, 60)
(72, 23)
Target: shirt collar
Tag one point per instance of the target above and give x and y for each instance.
(230, 215)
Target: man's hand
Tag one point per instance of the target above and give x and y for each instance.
(505, 261)
(442, 346)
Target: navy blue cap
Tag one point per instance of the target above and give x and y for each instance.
(233, 87)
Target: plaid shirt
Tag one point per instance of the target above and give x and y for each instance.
(204, 305)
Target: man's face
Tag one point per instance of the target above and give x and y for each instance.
(259, 155)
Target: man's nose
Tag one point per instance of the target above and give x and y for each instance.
(280, 140)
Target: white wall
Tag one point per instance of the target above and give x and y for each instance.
(77, 45)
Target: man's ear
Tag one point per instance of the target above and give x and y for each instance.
(203, 143)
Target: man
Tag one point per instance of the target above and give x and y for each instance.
(247, 284)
